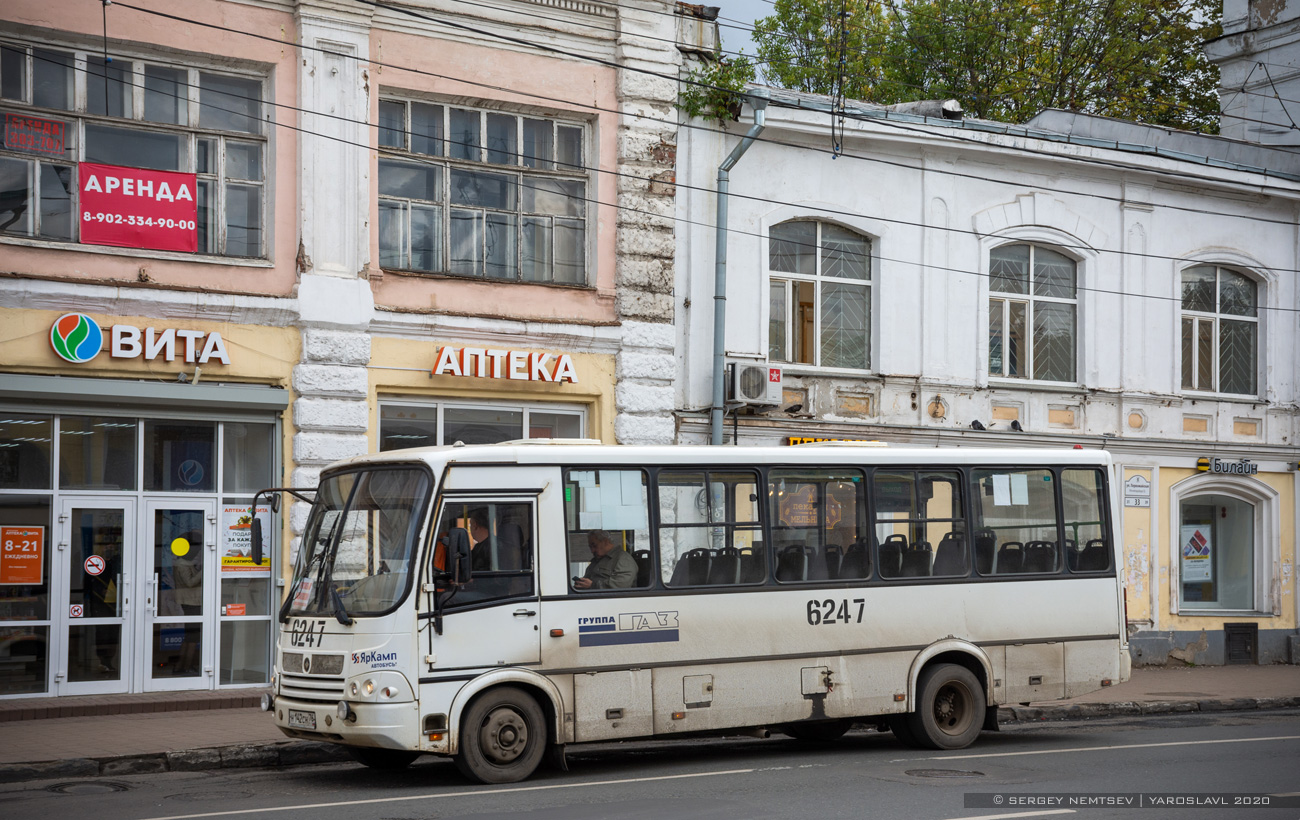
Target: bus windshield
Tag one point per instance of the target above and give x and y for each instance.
(359, 543)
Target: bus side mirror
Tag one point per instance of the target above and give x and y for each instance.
(256, 551)
(459, 566)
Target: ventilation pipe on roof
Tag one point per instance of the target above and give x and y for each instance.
(758, 100)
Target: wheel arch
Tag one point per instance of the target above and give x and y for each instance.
(546, 693)
(956, 651)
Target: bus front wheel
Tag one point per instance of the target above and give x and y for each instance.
(503, 737)
(950, 709)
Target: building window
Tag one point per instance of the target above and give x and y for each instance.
(1220, 331)
(62, 107)
(1216, 546)
(403, 425)
(1032, 313)
(819, 295)
(481, 193)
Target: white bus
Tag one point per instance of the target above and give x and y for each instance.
(440, 601)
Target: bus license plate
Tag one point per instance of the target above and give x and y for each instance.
(302, 720)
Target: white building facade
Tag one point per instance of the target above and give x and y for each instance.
(1074, 282)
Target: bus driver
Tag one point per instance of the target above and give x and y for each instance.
(610, 568)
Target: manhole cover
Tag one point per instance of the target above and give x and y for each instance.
(88, 787)
(943, 773)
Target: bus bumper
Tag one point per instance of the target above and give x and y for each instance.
(378, 725)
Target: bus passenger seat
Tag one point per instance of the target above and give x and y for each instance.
(891, 556)
(725, 566)
(792, 564)
(751, 565)
(643, 567)
(985, 543)
(834, 559)
(692, 569)
(916, 561)
(1011, 558)
(1095, 557)
(1040, 556)
(857, 562)
(950, 556)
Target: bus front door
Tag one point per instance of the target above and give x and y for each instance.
(493, 620)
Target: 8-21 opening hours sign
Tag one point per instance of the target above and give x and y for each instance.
(22, 555)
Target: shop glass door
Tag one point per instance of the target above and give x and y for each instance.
(95, 563)
(180, 557)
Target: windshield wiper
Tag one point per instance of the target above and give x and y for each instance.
(340, 611)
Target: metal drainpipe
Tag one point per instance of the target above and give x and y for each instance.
(758, 99)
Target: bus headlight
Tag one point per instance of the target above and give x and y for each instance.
(268, 702)
(353, 689)
(368, 687)
(345, 711)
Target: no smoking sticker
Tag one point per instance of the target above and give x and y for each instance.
(95, 565)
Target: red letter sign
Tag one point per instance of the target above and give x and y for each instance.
(135, 208)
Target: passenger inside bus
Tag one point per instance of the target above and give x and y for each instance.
(611, 566)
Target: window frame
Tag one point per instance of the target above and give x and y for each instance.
(1029, 299)
(1215, 319)
(78, 116)
(440, 405)
(558, 170)
(817, 278)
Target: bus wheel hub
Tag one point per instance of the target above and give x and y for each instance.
(504, 735)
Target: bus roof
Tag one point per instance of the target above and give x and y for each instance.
(588, 451)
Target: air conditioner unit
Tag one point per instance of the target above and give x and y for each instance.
(754, 383)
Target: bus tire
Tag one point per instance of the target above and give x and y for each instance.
(950, 709)
(503, 737)
(820, 731)
(901, 726)
(386, 760)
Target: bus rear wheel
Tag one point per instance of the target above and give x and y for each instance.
(950, 708)
(388, 760)
(503, 737)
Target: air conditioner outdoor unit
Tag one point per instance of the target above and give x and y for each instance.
(754, 383)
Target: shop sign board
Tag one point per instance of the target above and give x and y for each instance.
(237, 540)
(1218, 465)
(35, 135)
(138, 208)
(22, 555)
(519, 365)
(78, 338)
(1197, 552)
(792, 440)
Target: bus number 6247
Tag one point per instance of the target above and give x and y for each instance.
(831, 611)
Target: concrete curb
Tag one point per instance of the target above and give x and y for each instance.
(298, 752)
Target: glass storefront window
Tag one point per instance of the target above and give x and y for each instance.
(1216, 545)
(97, 453)
(248, 451)
(179, 456)
(27, 601)
(416, 425)
(245, 596)
(482, 426)
(24, 651)
(25, 452)
(402, 426)
(245, 652)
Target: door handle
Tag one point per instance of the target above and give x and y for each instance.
(525, 613)
(153, 596)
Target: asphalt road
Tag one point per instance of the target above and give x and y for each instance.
(864, 775)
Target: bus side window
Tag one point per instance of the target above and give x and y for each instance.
(607, 523)
(1018, 509)
(1087, 541)
(920, 524)
(710, 529)
(819, 530)
(501, 546)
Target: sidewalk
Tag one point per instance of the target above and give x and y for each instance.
(208, 730)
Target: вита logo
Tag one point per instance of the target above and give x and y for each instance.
(76, 338)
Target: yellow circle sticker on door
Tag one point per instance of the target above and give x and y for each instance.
(180, 546)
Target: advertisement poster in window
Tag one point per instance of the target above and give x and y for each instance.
(1197, 549)
(137, 208)
(237, 540)
(22, 555)
(34, 135)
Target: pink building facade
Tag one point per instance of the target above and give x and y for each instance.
(263, 236)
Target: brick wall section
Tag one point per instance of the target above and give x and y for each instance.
(647, 164)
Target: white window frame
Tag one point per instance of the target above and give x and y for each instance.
(77, 118)
(817, 279)
(1029, 299)
(1214, 318)
(448, 164)
(441, 405)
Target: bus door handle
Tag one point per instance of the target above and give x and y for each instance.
(525, 613)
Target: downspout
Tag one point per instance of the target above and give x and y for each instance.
(758, 99)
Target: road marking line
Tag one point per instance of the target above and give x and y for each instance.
(1018, 814)
(1112, 748)
(473, 793)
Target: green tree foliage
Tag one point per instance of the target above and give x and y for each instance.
(713, 89)
(1008, 59)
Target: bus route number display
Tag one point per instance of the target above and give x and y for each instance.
(832, 611)
(138, 208)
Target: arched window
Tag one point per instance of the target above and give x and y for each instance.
(1032, 313)
(1220, 331)
(820, 295)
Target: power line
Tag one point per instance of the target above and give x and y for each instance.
(419, 159)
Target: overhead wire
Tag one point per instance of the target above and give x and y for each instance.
(437, 162)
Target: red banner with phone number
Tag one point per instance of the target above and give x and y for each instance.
(138, 208)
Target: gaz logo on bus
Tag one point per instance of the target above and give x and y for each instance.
(628, 628)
